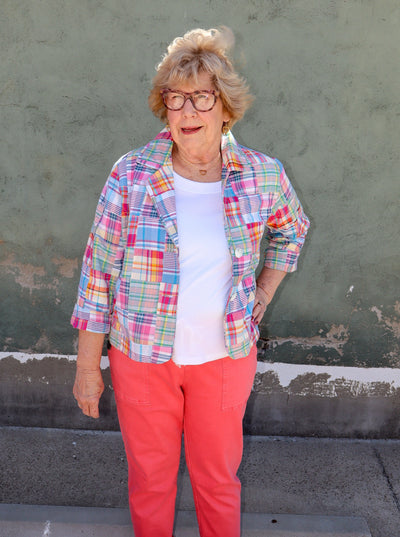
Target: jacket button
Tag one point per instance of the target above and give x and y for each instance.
(238, 252)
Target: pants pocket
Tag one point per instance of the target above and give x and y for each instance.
(237, 379)
(130, 379)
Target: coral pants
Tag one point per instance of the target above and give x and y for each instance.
(156, 403)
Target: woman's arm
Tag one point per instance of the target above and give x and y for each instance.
(287, 227)
(89, 384)
(101, 267)
(267, 283)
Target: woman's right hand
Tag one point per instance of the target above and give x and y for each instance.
(89, 383)
(87, 390)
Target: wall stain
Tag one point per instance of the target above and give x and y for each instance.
(267, 382)
(320, 385)
(33, 277)
(335, 339)
(369, 337)
(38, 393)
(66, 267)
(392, 324)
(43, 344)
(25, 275)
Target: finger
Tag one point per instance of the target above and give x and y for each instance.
(85, 409)
(82, 404)
(94, 409)
(89, 408)
(258, 313)
(257, 319)
(258, 307)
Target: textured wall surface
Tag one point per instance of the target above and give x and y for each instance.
(73, 98)
(287, 399)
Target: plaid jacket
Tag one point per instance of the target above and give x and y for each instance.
(130, 275)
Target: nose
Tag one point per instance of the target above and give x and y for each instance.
(188, 108)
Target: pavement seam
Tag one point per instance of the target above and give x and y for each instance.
(386, 475)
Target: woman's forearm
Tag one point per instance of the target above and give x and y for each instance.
(89, 384)
(90, 348)
(269, 280)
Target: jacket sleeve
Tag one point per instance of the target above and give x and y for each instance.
(102, 261)
(286, 227)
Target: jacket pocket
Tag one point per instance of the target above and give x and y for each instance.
(143, 297)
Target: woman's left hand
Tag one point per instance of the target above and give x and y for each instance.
(261, 302)
(266, 285)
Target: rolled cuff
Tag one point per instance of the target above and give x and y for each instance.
(283, 258)
(97, 322)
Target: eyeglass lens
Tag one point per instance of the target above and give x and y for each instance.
(203, 102)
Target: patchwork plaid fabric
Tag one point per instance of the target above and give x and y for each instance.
(130, 274)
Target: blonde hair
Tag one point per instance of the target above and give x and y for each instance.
(202, 51)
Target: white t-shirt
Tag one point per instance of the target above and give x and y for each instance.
(205, 272)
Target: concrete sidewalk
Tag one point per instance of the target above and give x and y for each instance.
(299, 480)
(46, 521)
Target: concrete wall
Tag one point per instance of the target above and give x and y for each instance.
(73, 98)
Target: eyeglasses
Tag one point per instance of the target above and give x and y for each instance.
(202, 101)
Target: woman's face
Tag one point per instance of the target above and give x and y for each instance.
(197, 134)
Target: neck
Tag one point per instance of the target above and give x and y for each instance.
(204, 169)
(193, 160)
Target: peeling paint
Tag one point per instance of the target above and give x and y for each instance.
(391, 324)
(369, 336)
(301, 380)
(25, 274)
(28, 276)
(350, 290)
(322, 386)
(23, 357)
(66, 267)
(33, 277)
(336, 338)
(327, 381)
(43, 343)
(378, 313)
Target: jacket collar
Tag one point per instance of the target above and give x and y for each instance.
(156, 158)
(158, 152)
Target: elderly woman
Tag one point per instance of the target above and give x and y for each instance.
(169, 275)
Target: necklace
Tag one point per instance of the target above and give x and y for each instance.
(192, 169)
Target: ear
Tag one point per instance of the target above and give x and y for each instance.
(226, 116)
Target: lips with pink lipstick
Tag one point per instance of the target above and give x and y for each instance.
(190, 130)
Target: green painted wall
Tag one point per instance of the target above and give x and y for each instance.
(73, 98)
